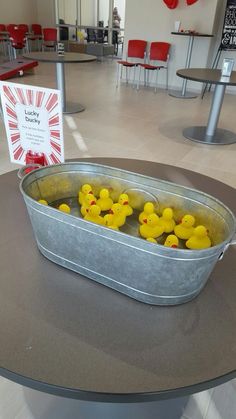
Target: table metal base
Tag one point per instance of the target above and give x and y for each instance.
(178, 94)
(73, 108)
(221, 136)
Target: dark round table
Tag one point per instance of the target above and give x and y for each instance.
(60, 61)
(210, 134)
(183, 94)
(64, 334)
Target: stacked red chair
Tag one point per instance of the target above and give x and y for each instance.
(37, 34)
(49, 38)
(17, 39)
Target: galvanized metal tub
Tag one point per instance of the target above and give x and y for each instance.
(150, 273)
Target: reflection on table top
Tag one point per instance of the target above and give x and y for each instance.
(65, 334)
(68, 57)
(207, 75)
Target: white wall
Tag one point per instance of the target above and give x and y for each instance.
(20, 11)
(45, 12)
(104, 11)
(88, 12)
(153, 21)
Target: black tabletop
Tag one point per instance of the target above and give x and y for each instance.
(53, 57)
(206, 35)
(64, 334)
(207, 75)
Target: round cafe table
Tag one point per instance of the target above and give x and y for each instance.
(210, 134)
(64, 334)
(60, 61)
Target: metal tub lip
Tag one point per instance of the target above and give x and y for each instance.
(98, 229)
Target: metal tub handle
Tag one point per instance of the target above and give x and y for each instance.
(231, 243)
(24, 170)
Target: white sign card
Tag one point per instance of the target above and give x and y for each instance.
(33, 121)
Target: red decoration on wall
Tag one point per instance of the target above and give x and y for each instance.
(190, 2)
(172, 4)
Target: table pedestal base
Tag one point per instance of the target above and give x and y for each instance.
(221, 136)
(73, 108)
(179, 95)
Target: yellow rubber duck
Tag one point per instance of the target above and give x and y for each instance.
(119, 217)
(172, 241)
(64, 208)
(104, 201)
(167, 220)
(152, 227)
(88, 201)
(199, 239)
(151, 240)
(124, 201)
(185, 229)
(85, 190)
(94, 216)
(147, 210)
(43, 201)
(108, 219)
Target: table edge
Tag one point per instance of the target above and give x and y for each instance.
(114, 397)
(193, 34)
(204, 80)
(46, 60)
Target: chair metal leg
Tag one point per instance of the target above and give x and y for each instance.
(139, 77)
(126, 71)
(117, 74)
(134, 77)
(156, 84)
(167, 78)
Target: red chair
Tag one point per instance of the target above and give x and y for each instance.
(11, 26)
(49, 38)
(3, 38)
(24, 27)
(37, 31)
(136, 50)
(159, 51)
(17, 39)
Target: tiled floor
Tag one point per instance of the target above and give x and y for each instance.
(142, 125)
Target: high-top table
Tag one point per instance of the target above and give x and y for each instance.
(183, 94)
(210, 134)
(64, 334)
(60, 61)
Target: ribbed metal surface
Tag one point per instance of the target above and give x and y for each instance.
(150, 273)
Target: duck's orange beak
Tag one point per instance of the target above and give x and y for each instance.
(174, 246)
(90, 192)
(126, 203)
(93, 203)
(145, 220)
(111, 211)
